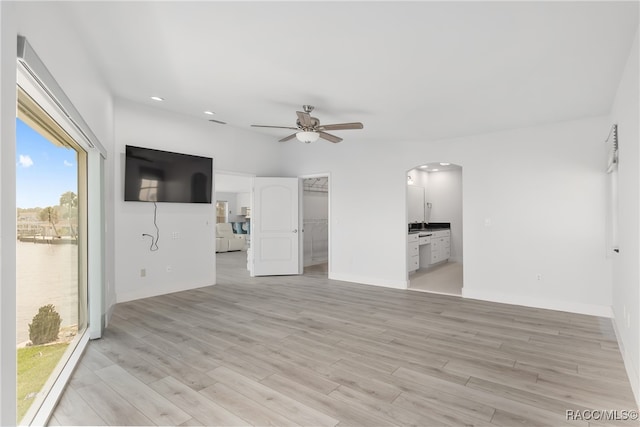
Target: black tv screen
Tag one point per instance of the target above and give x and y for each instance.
(162, 176)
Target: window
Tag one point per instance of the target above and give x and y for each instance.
(222, 211)
(47, 115)
(149, 189)
(51, 282)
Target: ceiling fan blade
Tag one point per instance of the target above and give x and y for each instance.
(287, 138)
(342, 126)
(274, 127)
(329, 137)
(305, 119)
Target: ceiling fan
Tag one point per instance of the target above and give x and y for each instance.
(308, 129)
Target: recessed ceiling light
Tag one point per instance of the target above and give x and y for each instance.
(424, 166)
(210, 113)
(434, 170)
(157, 98)
(445, 164)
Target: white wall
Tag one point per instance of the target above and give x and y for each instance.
(534, 207)
(51, 35)
(626, 264)
(540, 190)
(444, 192)
(243, 200)
(191, 256)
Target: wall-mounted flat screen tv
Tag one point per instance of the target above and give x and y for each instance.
(162, 176)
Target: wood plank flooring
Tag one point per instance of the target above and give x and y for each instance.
(292, 351)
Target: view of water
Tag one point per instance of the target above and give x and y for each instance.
(46, 274)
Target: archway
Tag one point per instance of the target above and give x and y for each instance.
(434, 226)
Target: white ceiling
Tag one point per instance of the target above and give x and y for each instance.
(438, 167)
(407, 70)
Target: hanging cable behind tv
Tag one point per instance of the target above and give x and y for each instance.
(154, 239)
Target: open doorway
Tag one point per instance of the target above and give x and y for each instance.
(434, 226)
(233, 224)
(316, 225)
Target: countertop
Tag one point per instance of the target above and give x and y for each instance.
(426, 231)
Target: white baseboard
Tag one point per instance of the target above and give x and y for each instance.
(567, 306)
(154, 292)
(369, 281)
(632, 372)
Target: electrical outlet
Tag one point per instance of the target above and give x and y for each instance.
(539, 277)
(169, 269)
(143, 272)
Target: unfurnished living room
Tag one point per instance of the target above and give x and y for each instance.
(330, 213)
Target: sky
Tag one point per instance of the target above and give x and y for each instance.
(44, 171)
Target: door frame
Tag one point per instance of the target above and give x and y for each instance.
(462, 213)
(248, 176)
(329, 183)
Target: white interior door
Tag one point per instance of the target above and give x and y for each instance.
(275, 227)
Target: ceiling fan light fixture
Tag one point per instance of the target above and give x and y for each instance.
(307, 136)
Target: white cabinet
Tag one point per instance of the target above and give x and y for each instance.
(415, 196)
(427, 248)
(440, 246)
(413, 254)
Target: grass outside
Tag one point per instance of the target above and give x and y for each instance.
(35, 365)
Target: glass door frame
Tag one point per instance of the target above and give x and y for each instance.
(34, 117)
(34, 78)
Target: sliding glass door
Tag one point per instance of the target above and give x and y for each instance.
(51, 254)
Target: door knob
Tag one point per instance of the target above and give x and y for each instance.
(295, 230)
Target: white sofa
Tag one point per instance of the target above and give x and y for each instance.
(227, 240)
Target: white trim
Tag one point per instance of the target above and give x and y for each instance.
(527, 301)
(8, 107)
(35, 91)
(395, 284)
(95, 246)
(37, 73)
(156, 291)
(45, 411)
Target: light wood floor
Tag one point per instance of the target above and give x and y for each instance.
(445, 279)
(308, 351)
